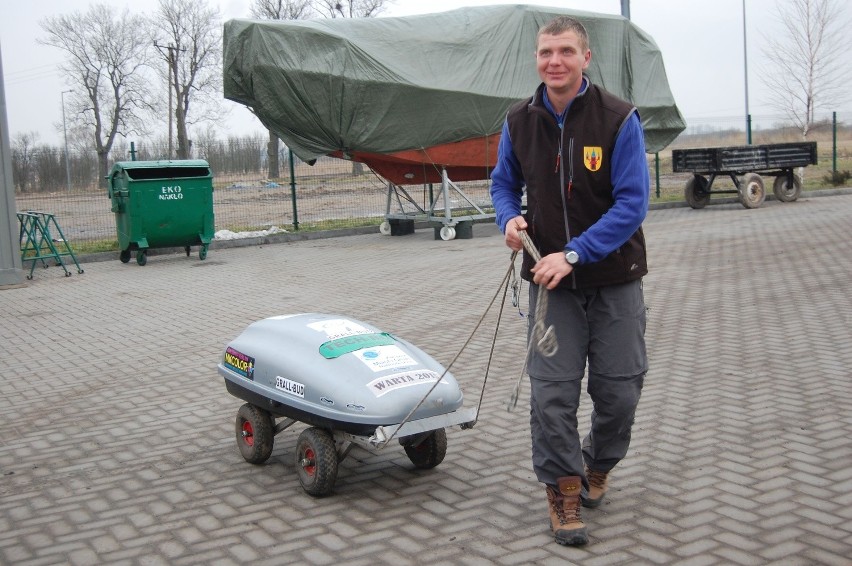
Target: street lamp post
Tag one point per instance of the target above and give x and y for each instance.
(65, 135)
(745, 67)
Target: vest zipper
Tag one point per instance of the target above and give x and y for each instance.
(560, 164)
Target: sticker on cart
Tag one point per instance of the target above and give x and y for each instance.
(338, 328)
(389, 383)
(290, 386)
(239, 363)
(348, 344)
(383, 358)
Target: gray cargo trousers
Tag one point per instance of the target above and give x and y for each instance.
(606, 326)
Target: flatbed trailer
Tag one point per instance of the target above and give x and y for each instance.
(749, 162)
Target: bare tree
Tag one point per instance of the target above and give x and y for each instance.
(350, 8)
(23, 158)
(278, 10)
(809, 59)
(189, 36)
(106, 57)
(281, 9)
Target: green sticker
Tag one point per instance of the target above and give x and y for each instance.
(347, 344)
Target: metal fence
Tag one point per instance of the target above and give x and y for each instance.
(335, 193)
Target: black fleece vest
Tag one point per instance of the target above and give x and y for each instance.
(591, 126)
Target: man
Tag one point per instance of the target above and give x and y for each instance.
(580, 153)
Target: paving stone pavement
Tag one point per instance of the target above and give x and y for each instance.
(118, 438)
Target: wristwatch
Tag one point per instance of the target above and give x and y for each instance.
(572, 257)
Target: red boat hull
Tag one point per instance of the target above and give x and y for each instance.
(468, 160)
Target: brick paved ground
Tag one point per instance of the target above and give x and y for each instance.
(118, 443)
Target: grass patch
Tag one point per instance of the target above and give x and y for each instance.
(95, 246)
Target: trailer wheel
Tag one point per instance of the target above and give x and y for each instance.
(783, 191)
(385, 228)
(447, 233)
(316, 461)
(696, 193)
(752, 192)
(254, 428)
(430, 452)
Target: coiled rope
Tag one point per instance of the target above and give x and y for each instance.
(542, 338)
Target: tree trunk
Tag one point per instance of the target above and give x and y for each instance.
(103, 167)
(272, 156)
(182, 137)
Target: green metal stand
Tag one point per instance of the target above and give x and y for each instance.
(38, 244)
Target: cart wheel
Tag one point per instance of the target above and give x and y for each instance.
(448, 233)
(124, 256)
(316, 461)
(430, 452)
(186, 249)
(142, 257)
(696, 193)
(752, 192)
(254, 428)
(202, 253)
(783, 191)
(385, 228)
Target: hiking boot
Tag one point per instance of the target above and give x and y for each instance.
(565, 522)
(597, 489)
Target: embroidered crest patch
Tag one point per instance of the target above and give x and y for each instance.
(592, 158)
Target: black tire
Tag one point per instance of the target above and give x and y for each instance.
(430, 452)
(187, 250)
(782, 190)
(752, 191)
(255, 433)
(696, 193)
(124, 256)
(142, 257)
(316, 461)
(202, 253)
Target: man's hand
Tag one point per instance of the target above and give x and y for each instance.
(512, 227)
(550, 269)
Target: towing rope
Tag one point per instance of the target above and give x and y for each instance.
(503, 283)
(542, 337)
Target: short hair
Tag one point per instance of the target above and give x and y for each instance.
(561, 24)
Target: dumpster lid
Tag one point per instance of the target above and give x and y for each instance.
(160, 163)
(163, 169)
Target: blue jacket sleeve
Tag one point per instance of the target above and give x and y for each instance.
(631, 190)
(507, 182)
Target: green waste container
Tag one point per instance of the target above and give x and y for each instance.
(160, 204)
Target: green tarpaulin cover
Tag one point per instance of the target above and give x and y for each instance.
(390, 84)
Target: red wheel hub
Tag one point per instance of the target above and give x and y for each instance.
(248, 433)
(309, 462)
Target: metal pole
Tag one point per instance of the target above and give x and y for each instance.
(11, 272)
(170, 99)
(834, 141)
(293, 190)
(170, 59)
(748, 128)
(745, 67)
(625, 8)
(65, 134)
(657, 169)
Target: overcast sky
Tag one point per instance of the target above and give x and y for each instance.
(701, 42)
